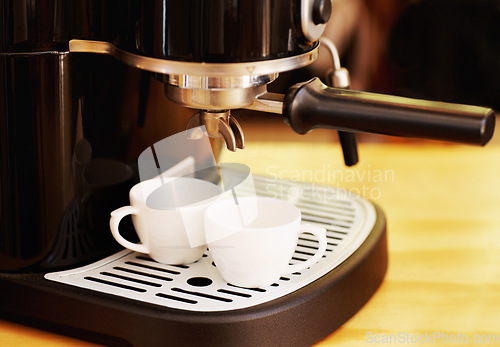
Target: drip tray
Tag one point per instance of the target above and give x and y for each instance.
(199, 286)
(128, 299)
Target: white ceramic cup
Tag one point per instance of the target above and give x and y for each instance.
(257, 254)
(167, 213)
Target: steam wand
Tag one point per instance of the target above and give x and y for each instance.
(338, 77)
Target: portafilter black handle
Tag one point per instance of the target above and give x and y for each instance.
(312, 104)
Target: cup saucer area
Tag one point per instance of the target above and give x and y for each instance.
(192, 304)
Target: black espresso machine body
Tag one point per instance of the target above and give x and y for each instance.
(87, 85)
(72, 125)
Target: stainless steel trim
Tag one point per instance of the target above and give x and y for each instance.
(211, 99)
(225, 82)
(267, 102)
(171, 67)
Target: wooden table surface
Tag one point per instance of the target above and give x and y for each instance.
(442, 204)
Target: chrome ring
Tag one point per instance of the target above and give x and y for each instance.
(171, 67)
(209, 82)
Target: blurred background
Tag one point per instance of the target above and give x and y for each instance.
(444, 50)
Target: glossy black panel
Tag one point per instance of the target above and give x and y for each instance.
(27, 25)
(71, 129)
(191, 30)
(219, 31)
(35, 137)
(106, 20)
(39, 25)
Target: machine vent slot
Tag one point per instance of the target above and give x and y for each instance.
(125, 278)
(203, 295)
(114, 284)
(161, 278)
(230, 292)
(149, 267)
(176, 298)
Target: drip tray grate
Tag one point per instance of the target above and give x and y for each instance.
(347, 218)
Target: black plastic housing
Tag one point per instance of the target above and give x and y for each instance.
(219, 31)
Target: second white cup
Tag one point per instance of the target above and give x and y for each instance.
(258, 253)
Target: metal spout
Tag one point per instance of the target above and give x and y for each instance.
(220, 124)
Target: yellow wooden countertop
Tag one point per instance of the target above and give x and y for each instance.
(442, 204)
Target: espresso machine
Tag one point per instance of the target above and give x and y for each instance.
(87, 85)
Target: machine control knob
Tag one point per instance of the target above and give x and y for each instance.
(321, 11)
(314, 14)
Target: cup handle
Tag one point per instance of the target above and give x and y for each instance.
(320, 234)
(114, 222)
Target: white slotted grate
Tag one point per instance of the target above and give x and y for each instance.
(347, 218)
